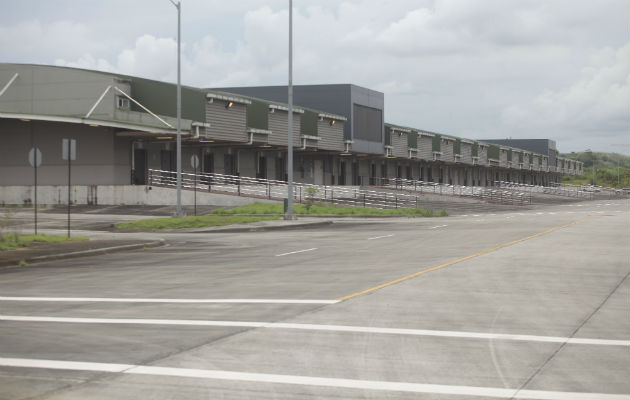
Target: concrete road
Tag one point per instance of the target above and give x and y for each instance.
(529, 304)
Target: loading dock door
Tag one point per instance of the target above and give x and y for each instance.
(139, 167)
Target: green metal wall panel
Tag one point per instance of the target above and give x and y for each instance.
(258, 115)
(457, 147)
(412, 140)
(493, 152)
(308, 123)
(509, 158)
(161, 98)
(437, 140)
(388, 136)
(520, 157)
(475, 149)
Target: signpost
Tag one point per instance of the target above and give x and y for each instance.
(194, 162)
(35, 159)
(69, 153)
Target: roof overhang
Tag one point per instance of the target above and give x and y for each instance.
(242, 100)
(296, 110)
(332, 116)
(148, 130)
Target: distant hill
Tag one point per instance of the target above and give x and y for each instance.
(606, 173)
(602, 160)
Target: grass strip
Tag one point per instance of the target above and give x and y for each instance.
(203, 221)
(316, 209)
(13, 241)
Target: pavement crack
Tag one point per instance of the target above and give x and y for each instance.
(569, 337)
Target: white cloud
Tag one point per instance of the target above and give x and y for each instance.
(597, 104)
(483, 68)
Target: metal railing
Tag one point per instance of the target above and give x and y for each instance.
(277, 190)
(555, 190)
(406, 194)
(488, 194)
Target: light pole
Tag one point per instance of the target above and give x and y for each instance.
(178, 5)
(593, 159)
(290, 214)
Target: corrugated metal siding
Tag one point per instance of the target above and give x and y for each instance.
(399, 144)
(447, 150)
(278, 125)
(466, 151)
(536, 162)
(331, 136)
(425, 145)
(515, 158)
(226, 124)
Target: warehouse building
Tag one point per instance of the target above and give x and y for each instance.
(124, 128)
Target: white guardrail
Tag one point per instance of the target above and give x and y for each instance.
(406, 194)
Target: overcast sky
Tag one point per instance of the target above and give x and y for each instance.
(557, 69)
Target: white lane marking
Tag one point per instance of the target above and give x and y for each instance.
(295, 252)
(438, 226)
(319, 327)
(476, 215)
(139, 300)
(388, 386)
(380, 237)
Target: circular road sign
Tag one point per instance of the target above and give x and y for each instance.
(31, 157)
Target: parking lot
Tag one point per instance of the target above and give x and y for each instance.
(529, 304)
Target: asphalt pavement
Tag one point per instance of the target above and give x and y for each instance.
(514, 304)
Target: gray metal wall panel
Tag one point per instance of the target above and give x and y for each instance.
(331, 136)
(399, 144)
(102, 157)
(425, 148)
(226, 124)
(279, 124)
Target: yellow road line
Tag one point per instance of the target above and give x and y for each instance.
(424, 271)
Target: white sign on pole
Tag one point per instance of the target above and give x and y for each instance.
(32, 158)
(64, 149)
(194, 161)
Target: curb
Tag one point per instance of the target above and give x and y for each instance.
(84, 253)
(266, 228)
